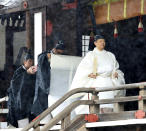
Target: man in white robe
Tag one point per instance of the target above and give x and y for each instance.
(99, 68)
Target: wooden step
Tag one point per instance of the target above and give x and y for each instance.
(4, 111)
(116, 123)
(4, 99)
(95, 124)
(4, 127)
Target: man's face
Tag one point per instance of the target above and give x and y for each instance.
(100, 44)
(28, 63)
(57, 51)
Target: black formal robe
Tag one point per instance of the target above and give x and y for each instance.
(21, 96)
(42, 85)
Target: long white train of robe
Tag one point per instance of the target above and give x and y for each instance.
(107, 65)
(63, 69)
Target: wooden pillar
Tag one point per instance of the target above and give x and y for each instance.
(44, 28)
(118, 107)
(94, 109)
(37, 127)
(65, 122)
(29, 31)
(142, 103)
(82, 128)
(9, 47)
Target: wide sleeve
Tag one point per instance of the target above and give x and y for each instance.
(85, 68)
(18, 73)
(120, 80)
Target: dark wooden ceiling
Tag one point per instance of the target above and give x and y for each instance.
(11, 6)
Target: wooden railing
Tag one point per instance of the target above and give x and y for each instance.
(3, 112)
(93, 103)
(3, 99)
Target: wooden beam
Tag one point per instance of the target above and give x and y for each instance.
(117, 116)
(32, 4)
(11, 10)
(120, 99)
(40, 3)
(116, 11)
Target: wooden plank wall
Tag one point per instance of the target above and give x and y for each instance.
(116, 10)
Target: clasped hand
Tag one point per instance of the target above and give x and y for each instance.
(32, 70)
(92, 76)
(115, 75)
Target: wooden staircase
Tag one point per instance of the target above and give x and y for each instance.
(3, 118)
(119, 120)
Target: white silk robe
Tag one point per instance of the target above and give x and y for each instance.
(62, 72)
(107, 65)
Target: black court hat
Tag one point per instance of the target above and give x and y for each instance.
(60, 45)
(28, 55)
(98, 37)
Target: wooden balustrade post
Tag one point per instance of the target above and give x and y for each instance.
(118, 107)
(83, 128)
(141, 102)
(94, 109)
(65, 122)
(37, 127)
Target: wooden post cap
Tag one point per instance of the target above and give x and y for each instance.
(25, 4)
(91, 118)
(141, 87)
(140, 114)
(36, 118)
(139, 97)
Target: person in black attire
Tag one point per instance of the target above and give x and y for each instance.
(21, 92)
(58, 49)
(42, 86)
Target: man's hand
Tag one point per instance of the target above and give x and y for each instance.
(92, 76)
(49, 55)
(115, 75)
(32, 70)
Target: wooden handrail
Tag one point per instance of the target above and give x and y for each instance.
(4, 99)
(122, 87)
(56, 104)
(71, 107)
(81, 90)
(119, 100)
(65, 112)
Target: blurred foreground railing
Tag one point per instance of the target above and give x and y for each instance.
(94, 103)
